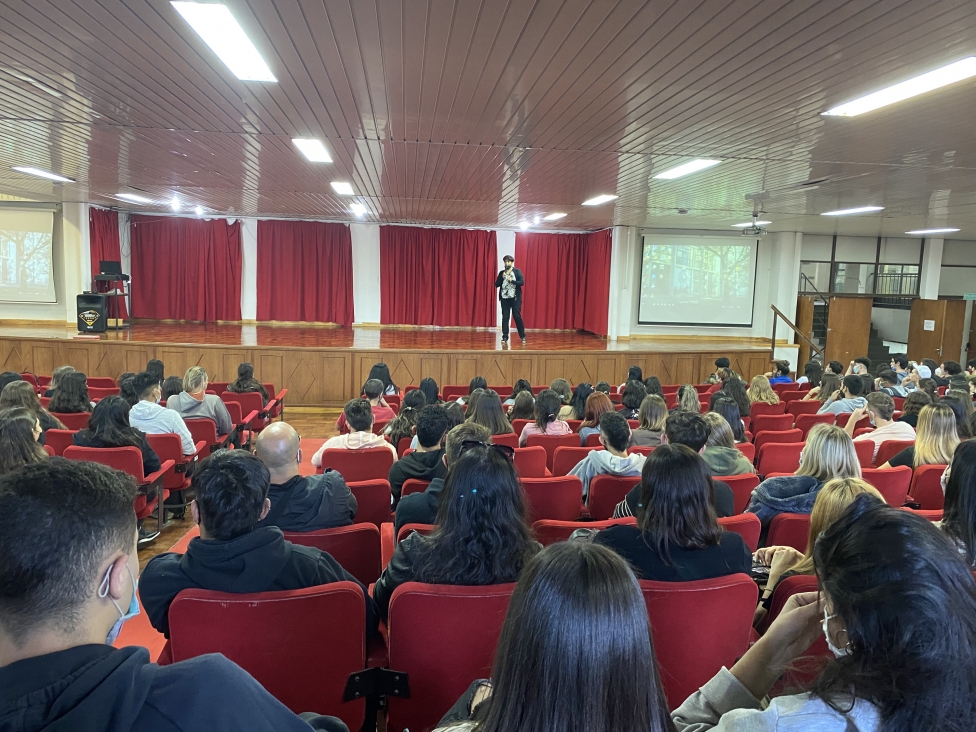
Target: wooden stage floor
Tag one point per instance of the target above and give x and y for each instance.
(325, 366)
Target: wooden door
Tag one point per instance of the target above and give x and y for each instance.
(804, 323)
(848, 328)
(944, 338)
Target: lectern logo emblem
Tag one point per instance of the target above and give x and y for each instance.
(89, 316)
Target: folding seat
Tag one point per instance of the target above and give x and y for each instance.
(356, 548)
(574, 424)
(536, 390)
(805, 422)
(30, 379)
(558, 498)
(926, 487)
(843, 419)
(670, 400)
(407, 529)
(670, 388)
(509, 438)
(892, 483)
(771, 423)
(742, 487)
(58, 440)
(619, 406)
(899, 402)
(746, 422)
(169, 448)
(747, 449)
(633, 424)
(218, 386)
(373, 498)
(452, 393)
(300, 645)
(606, 491)
(890, 448)
(550, 442)
(519, 424)
(799, 408)
(549, 532)
(388, 540)
(804, 669)
(863, 431)
(205, 431)
(698, 627)
(252, 401)
(565, 459)
(96, 394)
(74, 420)
(380, 425)
(640, 450)
(780, 388)
(785, 589)
(791, 396)
(49, 450)
(371, 463)
(747, 525)
(865, 452)
(403, 445)
(789, 529)
(779, 457)
(413, 485)
(593, 440)
(101, 382)
(279, 400)
(763, 438)
(703, 388)
(43, 382)
(759, 409)
(530, 462)
(440, 658)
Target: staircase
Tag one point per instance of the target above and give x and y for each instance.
(879, 353)
(820, 311)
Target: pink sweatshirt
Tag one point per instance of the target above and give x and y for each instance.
(557, 427)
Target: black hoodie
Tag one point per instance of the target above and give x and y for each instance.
(313, 502)
(97, 688)
(259, 561)
(419, 465)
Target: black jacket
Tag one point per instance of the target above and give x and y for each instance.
(723, 500)
(150, 460)
(312, 502)
(419, 465)
(419, 508)
(519, 283)
(97, 688)
(259, 561)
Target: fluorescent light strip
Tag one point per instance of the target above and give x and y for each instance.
(218, 28)
(922, 232)
(198, 210)
(524, 225)
(313, 149)
(962, 69)
(133, 198)
(848, 211)
(42, 174)
(599, 199)
(358, 209)
(343, 189)
(175, 203)
(749, 223)
(553, 216)
(687, 169)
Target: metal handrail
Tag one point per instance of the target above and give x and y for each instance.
(813, 288)
(772, 343)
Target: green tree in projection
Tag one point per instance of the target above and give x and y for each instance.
(733, 269)
(25, 259)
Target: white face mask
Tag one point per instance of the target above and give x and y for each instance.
(838, 652)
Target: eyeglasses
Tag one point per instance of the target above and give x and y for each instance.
(504, 450)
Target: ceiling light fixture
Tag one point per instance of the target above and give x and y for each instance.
(343, 189)
(313, 149)
(536, 220)
(358, 209)
(923, 232)
(218, 28)
(599, 199)
(524, 225)
(553, 216)
(687, 169)
(133, 198)
(175, 203)
(962, 69)
(751, 223)
(848, 211)
(198, 210)
(42, 174)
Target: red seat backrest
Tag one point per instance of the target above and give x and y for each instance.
(789, 529)
(97, 394)
(530, 462)
(698, 627)
(606, 491)
(169, 446)
(780, 388)
(29, 378)
(805, 422)
(413, 485)
(356, 548)
(748, 450)
(407, 529)
(899, 402)
(759, 409)
(277, 637)
(550, 532)
(550, 442)
(402, 446)
(763, 438)
(519, 424)
(453, 393)
(557, 498)
(372, 463)
(566, 458)
(747, 525)
(892, 483)
(58, 440)
(380, 425)
(126, 459)
(373, 499)
(926, 487)
(593, 440)
(865, 452)
(509, 438)
(101, 382)
(779, 457)
(574, 424)
(73, 421)
(203, 430)
(791, 396)
(441, 658)
(797, 408)
(703, 388)
(742, 487)
(50, 451)
(771, 423)
(784, 590)
(805, 669)
(249, 401)
(890, 448)
(843, 419)
(218, 386)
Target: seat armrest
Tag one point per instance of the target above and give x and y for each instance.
(263, 414)
(250, 418)
(281, 396)
(158, 475)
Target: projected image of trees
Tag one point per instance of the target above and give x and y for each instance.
(696, 274)
(25, 259)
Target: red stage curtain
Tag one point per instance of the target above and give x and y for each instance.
(103, 230)
(304, 272)
(437, 276)
(567, 280)
(186, 269)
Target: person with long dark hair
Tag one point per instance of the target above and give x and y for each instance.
(897, 607)
(382, 372)
(677, 537)
(735, 389)
(172, 385)
(727, 407)
(429, 388)
(404, 423)
(246, 383)
(481, 538)
(812, 373)
(523, 407)
(959, 512)
(489, 413)
(578, 401)
(547, 405)
(127, 389)
(157, 369)
(631, 398)
(955, 400)
(19, 432)
(71, 396)
(652, 385)
(109, 426)
(912, 406)
(478, 382)
(576, 631)
(59, 373)
(22, 394)
(634, 373)
(517, 388)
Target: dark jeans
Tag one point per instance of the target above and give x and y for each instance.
(512, 308)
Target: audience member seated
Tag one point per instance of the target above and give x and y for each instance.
(358, 416)
(899, 365)
(69, 583)
(300, 502)
(867, 384)
(828, 453)
(812, 373)
(880, 408)
(677, 537)
(785, 561)
(846, 399)
(9, 377)
(577, 631)
(959, 512)
(404, 424)
(372, 391)
(427, 461)
(127, 390)
(455, 417)
(829, 384)
(961, 405)
(565, 393)
(720, 363)
(488, 412)
(597, 404)
(517, 388)
(22, 394)
(128, 375)
(522, 408)
(429, 388)
(735, 389)
(603, 387)
(781, 374)
(577, 405)
(157, 369)
(651, 416)
(478, 382)
(720, 453)
(729, 411)
(935, 442)
(631, 397)
(888, 383)
(153, 419)
(634, 373)
(232, 553)
(896, 606)
(614, 460)
(652, 385)
(690, 430)
(834, 367)
(912, 406)
(688, 400)
(381, 372)
(546, 423)
(71, 396)
(945, 371)
(481, 536)
(59, 373)
(20, 431)
(246, 383)
(109, 426)
(421, 508)
(194, 402)
(860, 365)
(760, 391)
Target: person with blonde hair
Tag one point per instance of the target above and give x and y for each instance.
(194, 402)
(688, 399)
(651, 417)
(935, 442)
(720, 453)
(760, 391)
(828, 453)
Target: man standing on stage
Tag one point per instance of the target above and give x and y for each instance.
(510, 282)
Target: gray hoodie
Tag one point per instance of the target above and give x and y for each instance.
(842, 406)
(726, 460)
(602, 462)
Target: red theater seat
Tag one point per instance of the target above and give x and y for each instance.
(413, 485)
(771, 423)
(892, 483)
(764, 438)
(169, 448)
(550, 442)
(356, 548)
(805, 422)
(747, 449)
(58, 440)
(551, 532)
(519, 424)
(742, 487)
(373, 499)
(559, 498)
(798, 408)
(73, 421)
(890, 448)
(606, 491)
(759, 409)
(926, 488)
(509, 438)
(373, 463)
(747, 525)
(566, 458)
(530, 462)
(789, 529)
(779, 457)
(865, 452)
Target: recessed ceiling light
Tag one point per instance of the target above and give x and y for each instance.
(536, 220)
(847, 211)
(553, 216)
(750, 223)
(962, 69)
(312, 149)
(218, 28)
(133, 198)
(198, 210)
(42, 174)
(343, 189)
(175, 203)
(524, 225)
(922, 232)
(358, 209)
(687, 169)
(599, 199)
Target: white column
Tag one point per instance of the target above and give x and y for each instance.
(125, 245)
(249, 269)
(505, 244)
(74, 252)
(928, 285)
(366, 272)
(623, 253)
(86, 270)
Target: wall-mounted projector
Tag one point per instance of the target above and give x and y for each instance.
(755, 229)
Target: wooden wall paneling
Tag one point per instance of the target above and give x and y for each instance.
(270, 368)
(465, 369)
(434, 365)
(497, 369)
(228, 362)
(336, 372)
(756, 365)
(10, 356)
(522, 367)
(804, 322)
(553, 367)
(687, 368)
(108, 362)
(606, 370)
(177, 360)
(77, 356)
(659, 365)
(136, 357)
(581, 368)
(42, 359)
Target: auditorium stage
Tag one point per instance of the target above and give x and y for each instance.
(326, 366)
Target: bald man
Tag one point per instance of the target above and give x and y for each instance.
(300, 503)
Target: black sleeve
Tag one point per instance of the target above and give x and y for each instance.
(498, 279)
(397, 572)
(396, 482)
(344, 503)
(159, 584)
(150, 460)
(331, 571)
(724, 499)
(519, 278)
(905, 457)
